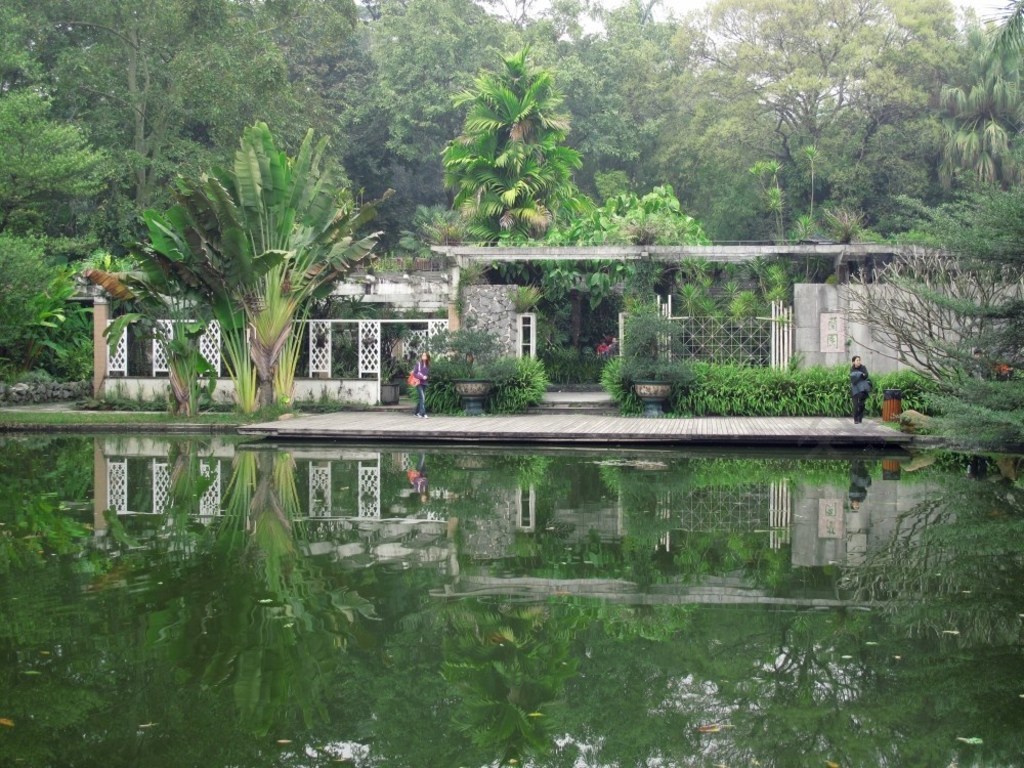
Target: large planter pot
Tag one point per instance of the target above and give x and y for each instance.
(389, 393)
(654, 394)
(473, 393)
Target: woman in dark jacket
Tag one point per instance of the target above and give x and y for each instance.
(860, 388)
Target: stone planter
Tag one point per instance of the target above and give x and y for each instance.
(654, 394)
(473, 393)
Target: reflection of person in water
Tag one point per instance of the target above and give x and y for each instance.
(418, 478)
(860, 481)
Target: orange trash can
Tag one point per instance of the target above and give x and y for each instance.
(892, 404)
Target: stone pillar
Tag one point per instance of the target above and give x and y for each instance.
(100, 318)
(100, 488)
(454, 321)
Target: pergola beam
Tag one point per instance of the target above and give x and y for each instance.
(839, 253)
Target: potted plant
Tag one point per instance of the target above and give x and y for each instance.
(472, 355)
(653, 358)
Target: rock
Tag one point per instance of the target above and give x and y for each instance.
(915, 422)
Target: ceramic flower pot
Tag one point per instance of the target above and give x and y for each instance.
(473, 393)
(654, 394)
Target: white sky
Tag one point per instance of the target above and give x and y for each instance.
(986, 9)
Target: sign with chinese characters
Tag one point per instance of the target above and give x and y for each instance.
(833, 332)
(831, 524)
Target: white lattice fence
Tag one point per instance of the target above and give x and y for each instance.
(209, 346)
(756, 341)
(117, 361)
(320, 489)
(369, 490)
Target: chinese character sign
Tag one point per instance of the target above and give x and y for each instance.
(833, 332)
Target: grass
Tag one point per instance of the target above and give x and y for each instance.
(12, 420)
(133, 415)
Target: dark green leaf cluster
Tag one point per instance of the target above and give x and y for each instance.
(657, 218)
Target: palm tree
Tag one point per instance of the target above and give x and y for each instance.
(984, 114)
(258, 241)
(509, 170)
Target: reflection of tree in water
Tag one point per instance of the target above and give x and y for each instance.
(952, 567)
(270, 629)
(509, 665)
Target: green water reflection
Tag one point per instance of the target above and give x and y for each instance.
(204, 603)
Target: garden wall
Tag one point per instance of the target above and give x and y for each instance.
(358, 391)
(27, 393)
(825, 334)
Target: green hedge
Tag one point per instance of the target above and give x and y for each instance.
(726, 390)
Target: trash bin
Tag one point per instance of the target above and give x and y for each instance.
(892, 404)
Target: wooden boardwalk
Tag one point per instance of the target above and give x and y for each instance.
(581, 429)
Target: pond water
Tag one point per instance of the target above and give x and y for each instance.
(210, 603)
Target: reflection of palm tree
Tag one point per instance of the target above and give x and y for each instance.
(510, 664)
(277, 624)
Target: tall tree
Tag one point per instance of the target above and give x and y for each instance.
(260, 240)
(855, 78)
(44, 165)
(509, 169)
(985, 114)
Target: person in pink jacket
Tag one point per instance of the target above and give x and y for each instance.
(422, 373)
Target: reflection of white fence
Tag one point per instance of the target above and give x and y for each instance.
(160, 479)
(319, 485)
(780, 515)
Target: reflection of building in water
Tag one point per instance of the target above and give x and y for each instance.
(356, 505)
(840, 525)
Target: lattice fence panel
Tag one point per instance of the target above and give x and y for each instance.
(716, 340)
(369, 490)
(369, 347)
(117, 361)
(320, 332)
(117, 486)
(320, 489)
(209, 346)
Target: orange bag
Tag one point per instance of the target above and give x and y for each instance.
(413, 380)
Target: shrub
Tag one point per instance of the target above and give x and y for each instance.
(518, 386)
(724, 390)
(570, 366)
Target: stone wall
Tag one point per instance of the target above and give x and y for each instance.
(490, 308)
(44, 392)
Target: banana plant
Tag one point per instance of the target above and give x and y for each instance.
(153, 298)
(259, 241)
